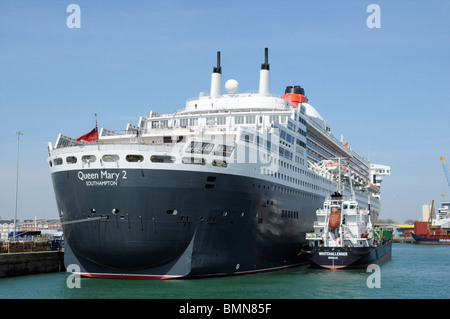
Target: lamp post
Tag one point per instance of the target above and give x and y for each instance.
(18, 133)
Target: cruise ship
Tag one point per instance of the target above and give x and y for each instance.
(227, 185)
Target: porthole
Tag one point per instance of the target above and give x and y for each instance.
(58, 161)
(193, 160)
(71, 159)
(88, 158)
(172, 212)
(134, 158)
(220, 163)
(110, 158)
(162, 159)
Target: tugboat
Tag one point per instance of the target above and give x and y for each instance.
(344, 236)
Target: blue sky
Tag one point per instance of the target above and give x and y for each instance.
(387, 90)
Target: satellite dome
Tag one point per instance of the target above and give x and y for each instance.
(231, 86)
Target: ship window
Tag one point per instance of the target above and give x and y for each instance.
(110, 158)
(183, 122)
(220, 163)
(193, 121)
(200, 148)
(239, 119)
(58, 161)
(250, 119)
(210, 120)
(162, 159)
(273, 118)
(134, 158)
(193, 160)
(88, 158)
(247, 137)
(50, 163)
(71, 159)
(172, 212)
(221, 120)
(224, 150)
(167, 139)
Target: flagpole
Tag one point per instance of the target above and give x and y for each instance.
(96, 127)
(18, 133)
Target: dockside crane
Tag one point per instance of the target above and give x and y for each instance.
(430, 217)
(447, 174)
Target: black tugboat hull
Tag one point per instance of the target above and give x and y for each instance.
(349, 257)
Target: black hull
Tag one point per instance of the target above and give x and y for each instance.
(349, 257)
(171, 223)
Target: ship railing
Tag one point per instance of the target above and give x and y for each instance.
(106, 132)
(161, 148)
(236, 95)
(338, 143)
(313, 236)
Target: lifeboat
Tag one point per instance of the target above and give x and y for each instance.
(335, 218)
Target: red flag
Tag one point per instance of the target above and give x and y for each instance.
(91, 136)
(346, 144)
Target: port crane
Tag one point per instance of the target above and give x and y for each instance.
(430, 217)
(447, 174)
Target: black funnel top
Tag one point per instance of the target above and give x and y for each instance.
(297, 89)
(218, 68)
(265, 65)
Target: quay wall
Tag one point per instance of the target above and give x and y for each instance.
(27, 258)
(28, 263)
(403, 240)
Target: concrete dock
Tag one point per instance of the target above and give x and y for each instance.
(28, 263)
(403, 240)
(30, 257)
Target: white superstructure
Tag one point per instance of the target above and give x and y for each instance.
(279, 140)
